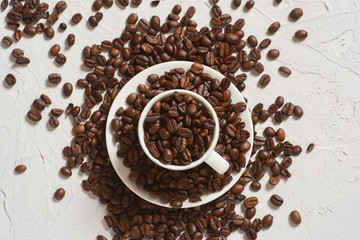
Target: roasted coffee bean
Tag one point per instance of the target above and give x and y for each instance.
(248, 65)
(10, 79)
(46, 99)
(67, 89)
(155, 2)
(65, 171)
(99, 16)
(249, 4)
(97, 5)
(236, 3)
(54, 78)
(258, 67)
(301, 34)
(53, 122)
(278, 1)
(279, 101)
(60, 6)
(280, 134)
(93, 21)
(34, 115)
(19, 169)
(269, 132)
(276, 200)
(54, 50)
(265, 43)
(252, 41)
(22, 60)
(190, 11)
(60, 59)
(267, 221)
(4, 4)
(136, 2)
(123, 3)
(49, 32)
(100, 237)
(216, 10)
(7, 41)
(288, 109)
(255, 54)
(250, 212)
(265, 80)
(285, 70)
(250, 202)
(298, 112)
(274, 27)
(59, 194)
(295, 217)
(76, 18)
(30, 30)
(62, 26)
(296, 14)
(274, 54)
(108, 3)
(225, 19)
(57, 112)
(17, 35)
(310, 148)
(39, 104)
(255, 186)
(70, 39)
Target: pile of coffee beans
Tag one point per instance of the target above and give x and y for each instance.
(178, 129)
(182, 133)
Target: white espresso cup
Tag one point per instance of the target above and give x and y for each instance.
(210, 157)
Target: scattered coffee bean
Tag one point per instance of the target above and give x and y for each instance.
(39, 104)
(255, 186)
(296, 14)
(265, 80)
(258, 67)
(274, 27)
(274, 54)
(108, 3)
(267, 221)
(99, 16)
(93, 21)
(236, 3)
(4, 4)
(285, 70)
(63, 26)
(57, 112)
(54, 78)
(46, 99)
(155, 2)
(59, 194)
(252, 41)
(70, 39)
(7, 41)
(17, 53)
(97, 5)
(30, 30)
(34, 115)
(298, 112)
(276, 200)
(76, 18)
(310, 148)
(278, 1)
(22, 60)
(17, 35)
(19, 169)
(295, 217)
(280, 134)
(265, 43)
(49, 32)
(301, 34)
(60, 6)
(53, 122)
(249, 4)
(10, 79)
(136, 2)
(60, 59)
(67, 89)
(123, 3)
(54, 50)
(251, 202)
(279, 101)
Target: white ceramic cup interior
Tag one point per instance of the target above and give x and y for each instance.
(212, 158)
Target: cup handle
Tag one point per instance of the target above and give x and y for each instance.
(217, 162)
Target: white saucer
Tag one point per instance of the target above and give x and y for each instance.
(120, 101)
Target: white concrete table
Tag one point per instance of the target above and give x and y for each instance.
(324, 186)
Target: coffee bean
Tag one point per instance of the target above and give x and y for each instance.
(251, 234)
(67, 89)
(216, 11)
(155, 2)
(273, 53)
(296, 14)
(10, 79)
(136, 2)
(252, 41)
(288, 109)
(301, 34)
(93, 21)
(255, 54)
(57, 112)
(46, 99)
(39, 104)
(248, 65)
(236, 3)
(34, 115)
(279, 101)
(280, 134)
(108, 3)
(295, 217)
(176, 204)
(49, 32)
(99, 16)
(97, 5)
(190, 12)
(285, 70)
(19, 169)
(100, 237)
(258, 67)
(53, 122)
(225, 19)
(276, 200)
(251, 202)
(76, 18)
(54, 78)
(265, 80)
(269, 132)
(60, 59)
(22, 60)
(54, 50)
(310, 148)
(70, 39)
(278, 1)
(249, 4)
(30, 30)
(7, 41)
(65, 171)
(274, 27)
(255, 186)
(59, 194)
(298, 112)
(4, 4)
(17, 35)
(62, 26)
(265, 43)
(267, 221)
(123, 3)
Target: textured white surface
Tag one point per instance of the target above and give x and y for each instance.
(324, 185)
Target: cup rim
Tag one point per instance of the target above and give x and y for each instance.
(141, 131)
